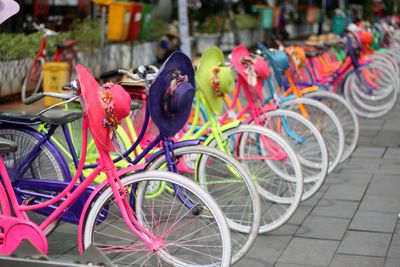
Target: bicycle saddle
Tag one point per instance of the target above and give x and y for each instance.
(14, 118)
(60, 117)
(7, 145)
(66, 44)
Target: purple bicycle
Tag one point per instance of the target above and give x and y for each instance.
(118, 216)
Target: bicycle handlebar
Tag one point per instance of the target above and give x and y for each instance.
(33, 98)
(109, 74)
(36, 97)
(142, 74)
(43, 29)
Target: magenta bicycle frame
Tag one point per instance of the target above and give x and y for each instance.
(256, 110)
(67, 196)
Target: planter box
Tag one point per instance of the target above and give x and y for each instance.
(205, 41)
(12, 73)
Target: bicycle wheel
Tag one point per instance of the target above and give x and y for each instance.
(306, 141)
(308, 144)
(229, 184)
(346, 115)
(363, 107)
(326, 122)
(33, 81)
(280, 196)
(377, 77)
(190, 226)
(48, 164)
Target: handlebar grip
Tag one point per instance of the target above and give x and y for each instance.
(34, 98)
(108, 74)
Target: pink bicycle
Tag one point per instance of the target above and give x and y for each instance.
(120, 216)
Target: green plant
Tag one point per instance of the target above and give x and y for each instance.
(19, 45)
(157, 29)
(86, 34)
(211, 24)
(246, 22)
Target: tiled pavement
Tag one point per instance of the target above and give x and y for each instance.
(352, 221)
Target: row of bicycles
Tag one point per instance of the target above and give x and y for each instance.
(183, 165)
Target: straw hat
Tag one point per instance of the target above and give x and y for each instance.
(173, 30)
(213, 78)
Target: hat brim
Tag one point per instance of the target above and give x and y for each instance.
(94, 108)
(210, 58)
(166, 124)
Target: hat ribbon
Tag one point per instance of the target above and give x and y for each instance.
(215, 82)
(178, 78)
(250, 71)
(111, 121)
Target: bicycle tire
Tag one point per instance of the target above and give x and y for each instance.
(210, 213)
(327, 123)
(47, 165)
(279, 197)
(231, 186)
(29, 89)
(310, 150)
(346, 115)
(370, 109)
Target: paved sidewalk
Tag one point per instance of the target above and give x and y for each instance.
(352, 221)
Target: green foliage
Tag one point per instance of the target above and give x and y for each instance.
(246, 22)
(210, 25)
(213, 24)
(19, 45)
(157, 29)
(86, 34)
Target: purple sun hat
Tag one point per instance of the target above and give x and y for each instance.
(171, 94)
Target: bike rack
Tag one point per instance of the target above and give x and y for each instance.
(28, 256)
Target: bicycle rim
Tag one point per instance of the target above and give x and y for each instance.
(279, 196)
(229, 184)
(195, 236)
(346, 115)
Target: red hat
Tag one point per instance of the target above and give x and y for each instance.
(252, 69)
(105, 106)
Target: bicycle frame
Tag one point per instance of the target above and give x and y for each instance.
(71, 193)
(215, 129)
(255, 109)
(351, 63)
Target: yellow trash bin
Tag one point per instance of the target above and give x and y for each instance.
(55, 75)
(119, 17)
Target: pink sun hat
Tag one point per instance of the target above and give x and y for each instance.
(105, 106)
(252, 69)
(8, 8)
